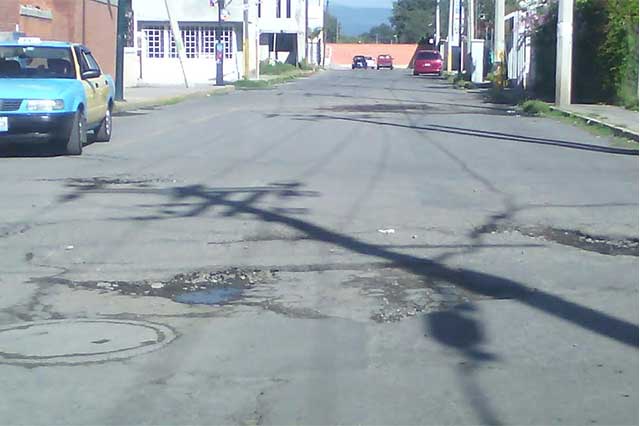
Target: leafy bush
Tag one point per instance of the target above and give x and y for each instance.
(620, 47)
(277, 68)
(544, 50)
(305, 66)
(499, 95)
(251, 84)
(535, 107)
(605, 52)
(463, 84)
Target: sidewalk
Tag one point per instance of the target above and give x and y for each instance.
(139, 97)
(618, 119)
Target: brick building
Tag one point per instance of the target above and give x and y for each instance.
(90, 22)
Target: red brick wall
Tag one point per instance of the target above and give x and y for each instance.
(8, 15)
(98, 32)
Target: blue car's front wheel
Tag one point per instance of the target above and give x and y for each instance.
(72, 143)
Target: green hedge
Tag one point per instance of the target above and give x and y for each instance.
(277, 68)
(605, 53)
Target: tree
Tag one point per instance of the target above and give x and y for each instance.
(330, 27)
(382, 33)
(413, 19)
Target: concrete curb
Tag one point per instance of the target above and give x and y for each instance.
(271, 81)
(123, 106)
(619, 131)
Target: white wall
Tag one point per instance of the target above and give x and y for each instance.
(159, 72)
(268, 22)
(167, 71)
(316, 14)
(184, 10)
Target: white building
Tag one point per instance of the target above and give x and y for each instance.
(282, 28)
(275, 30)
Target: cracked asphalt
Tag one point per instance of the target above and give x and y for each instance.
(395, 252)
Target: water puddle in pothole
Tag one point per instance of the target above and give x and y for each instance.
(213, 296)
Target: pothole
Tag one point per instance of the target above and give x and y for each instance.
(80, 341)
(403, 295)
(596, 243)
(199, 287)
(214, 296)
(99, 181)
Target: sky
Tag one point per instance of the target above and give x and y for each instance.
(387, 4)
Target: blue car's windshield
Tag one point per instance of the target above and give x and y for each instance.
(36, 62)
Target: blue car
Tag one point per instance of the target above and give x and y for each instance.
(54, 91)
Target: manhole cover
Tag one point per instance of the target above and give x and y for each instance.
(79, 341)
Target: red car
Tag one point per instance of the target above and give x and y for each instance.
(385, 61)
(428, 62)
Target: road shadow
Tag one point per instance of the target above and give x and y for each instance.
(490, 110)
(484, 134)
(200, 200)
(459, 329)
(37, 149)
(456, 327)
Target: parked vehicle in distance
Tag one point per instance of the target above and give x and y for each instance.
(385, 61)
(54, 91)
(427, 62)
(359, 61)
(371, 63)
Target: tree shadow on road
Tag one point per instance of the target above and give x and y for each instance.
(485, 134)
(456, 328)
(200, 200)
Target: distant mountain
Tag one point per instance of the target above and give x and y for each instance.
(357, 20)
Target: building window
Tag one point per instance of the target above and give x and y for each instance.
(154, 37)
(191, 39)
(278, 8)
(208, 42)
(288, 8)
(227, 38)
(198, 41)
(259, 8)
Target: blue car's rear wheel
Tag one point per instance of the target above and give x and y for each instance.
(103, 133)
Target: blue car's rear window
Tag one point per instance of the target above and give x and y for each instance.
(36, 62)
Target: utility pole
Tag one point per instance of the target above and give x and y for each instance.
(324, 32)
(306, 31)
(498, 42)
(471, 22)
(120, 42)
(175, 29)
(564, 52)
(450, 36)
(460, 48)
(245, 37)
(219, 48)
(437, 37)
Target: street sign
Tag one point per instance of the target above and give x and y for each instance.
(219, 52)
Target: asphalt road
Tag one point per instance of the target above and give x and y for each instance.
(405, 253)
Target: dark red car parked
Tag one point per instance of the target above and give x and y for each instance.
(428, 62)
(385, 61)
